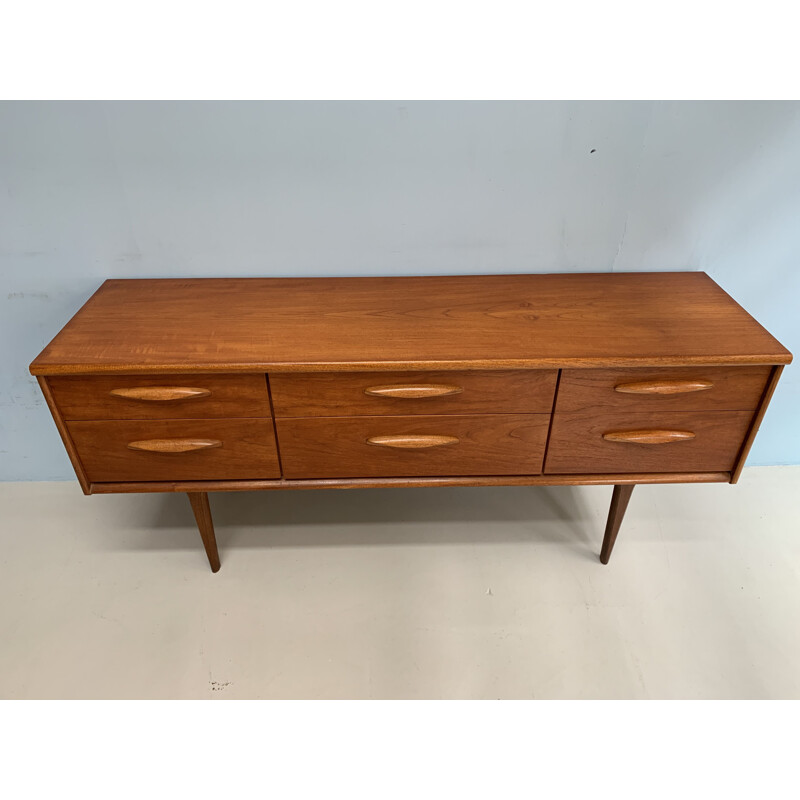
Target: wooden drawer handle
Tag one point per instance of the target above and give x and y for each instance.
(649, 436)
(663, 387)
(410, 441)
(174, 445)
(413, 392)
(160, 393)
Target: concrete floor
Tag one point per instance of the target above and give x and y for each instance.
(425, 593)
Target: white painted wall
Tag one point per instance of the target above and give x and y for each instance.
(96, 190)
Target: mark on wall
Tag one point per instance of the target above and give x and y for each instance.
(28, 295)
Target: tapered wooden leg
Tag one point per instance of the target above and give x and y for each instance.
(202, 513)
(619, 502)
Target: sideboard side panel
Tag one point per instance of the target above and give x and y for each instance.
(65, 436)
(769, 390)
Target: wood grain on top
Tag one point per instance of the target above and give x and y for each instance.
(455, 322)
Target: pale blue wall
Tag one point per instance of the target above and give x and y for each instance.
(96, 190)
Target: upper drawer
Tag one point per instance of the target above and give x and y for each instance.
(662, 389)
(161, 396)
(323, 394)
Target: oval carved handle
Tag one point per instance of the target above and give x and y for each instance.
(174, 445)
(662, 387)
(648, 436)
(160, 393)
(412, 392)
(412, 441)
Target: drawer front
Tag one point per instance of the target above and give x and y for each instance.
(161, 396)
(661, 389)
(180, 450)
(676, 441)
(372, 447)
(398, 393)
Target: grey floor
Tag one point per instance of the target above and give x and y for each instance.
(426, 593)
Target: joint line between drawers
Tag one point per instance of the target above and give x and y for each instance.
(552, 418)
(274, 424)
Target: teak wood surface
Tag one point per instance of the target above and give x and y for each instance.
(523, 380)
(247, 449)
(332, 394)
(81, 397)
(202, 515)
(619, 503)
(730, 389)
(411, 483)
(578, 443)
(408, 323)
(487, 444)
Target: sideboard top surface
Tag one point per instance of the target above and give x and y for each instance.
(442, 322)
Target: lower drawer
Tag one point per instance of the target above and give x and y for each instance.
(181, 450)
(676, 441)
(378, 447)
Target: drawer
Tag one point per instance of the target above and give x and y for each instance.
(179, 450)
(161, 396)
(667, 441)
(396, 393)
(662, 389)
(367, 447)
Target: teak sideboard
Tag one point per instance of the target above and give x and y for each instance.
(219, 384)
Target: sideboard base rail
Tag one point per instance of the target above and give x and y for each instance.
(409, 483)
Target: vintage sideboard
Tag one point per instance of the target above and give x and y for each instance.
(228, 384)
